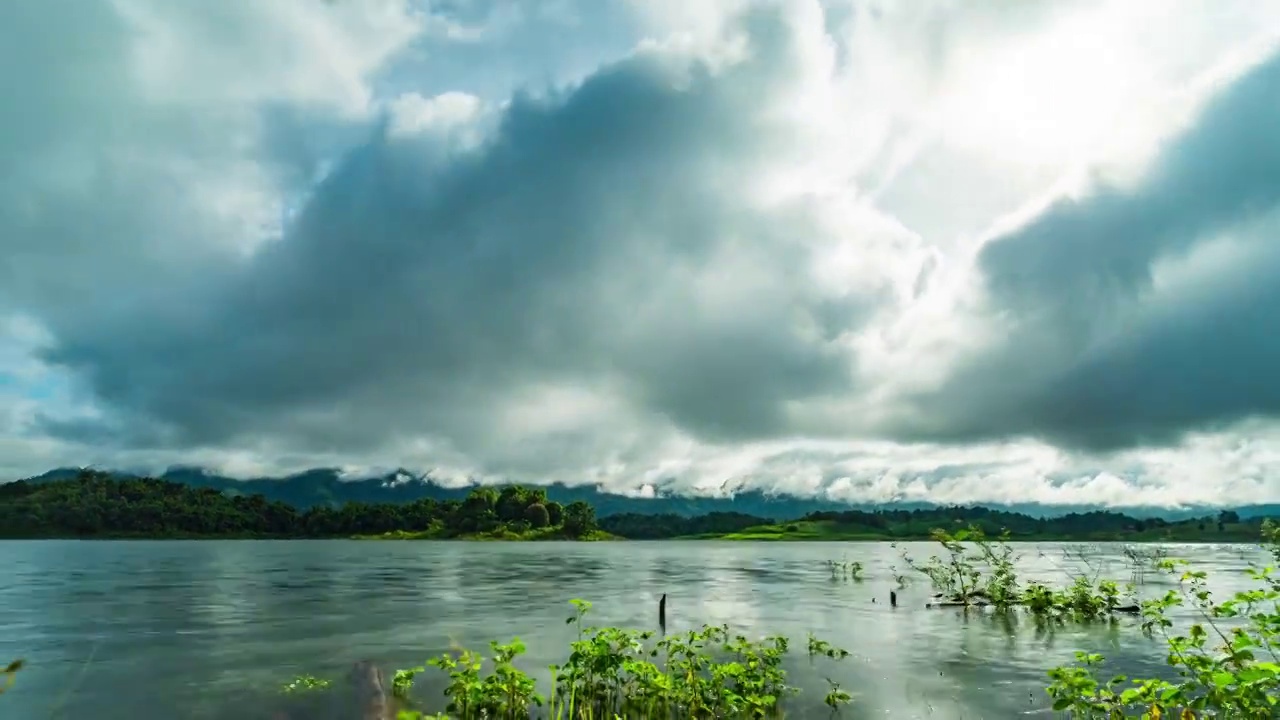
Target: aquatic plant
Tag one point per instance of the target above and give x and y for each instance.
(1144, 560)
(1146, 557)
(1081, 600)
(822, 647)
(845, 569)
(977, 571)
(10, 672)
(969, 567)
(305, 683)
(618, 673)
(1226, 661)
(836, 697)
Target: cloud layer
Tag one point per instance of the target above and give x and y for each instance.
(797, 245)
(1133, 314)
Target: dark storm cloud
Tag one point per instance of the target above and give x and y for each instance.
(1097, 356)
(600, 237)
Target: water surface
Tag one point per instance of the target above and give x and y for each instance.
(205, 629)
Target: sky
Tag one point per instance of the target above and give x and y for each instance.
(991, 251)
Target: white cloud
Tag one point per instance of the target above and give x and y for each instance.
(755, 244)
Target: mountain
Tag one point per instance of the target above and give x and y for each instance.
(325, 486)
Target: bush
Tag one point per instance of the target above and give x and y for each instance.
(555, 512)
(537, 516)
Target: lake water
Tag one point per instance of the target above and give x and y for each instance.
(127, 630)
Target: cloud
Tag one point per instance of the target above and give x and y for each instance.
(644, 244)
(1134, 313)
(617, 236)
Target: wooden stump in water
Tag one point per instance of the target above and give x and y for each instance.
(371, 692)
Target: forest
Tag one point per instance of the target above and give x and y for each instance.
(99, 505)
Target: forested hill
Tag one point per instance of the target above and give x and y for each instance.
(326, 487)
(101, 505)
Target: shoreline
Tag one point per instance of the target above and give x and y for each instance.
(615, 538)
(95, 506)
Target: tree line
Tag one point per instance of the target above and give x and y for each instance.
(98, 505)
(95, 504)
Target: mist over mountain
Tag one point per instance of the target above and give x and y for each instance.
(329, 486)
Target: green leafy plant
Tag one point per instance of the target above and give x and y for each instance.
(822, 647)
(836, 697)
(305, 683)
(977, 571)
(618, 673)
(845, 569)
(1225, 662)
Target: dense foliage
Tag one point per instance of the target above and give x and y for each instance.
(93, 504)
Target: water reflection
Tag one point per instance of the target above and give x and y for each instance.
(208, 629)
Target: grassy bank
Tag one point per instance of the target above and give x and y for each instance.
(830, 530)
(500, 535)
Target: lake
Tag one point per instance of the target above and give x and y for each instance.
(207, 629)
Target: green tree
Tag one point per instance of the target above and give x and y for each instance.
(555, 513)
(511, 503)
(537, 516)
(479, 511)
(418, 514)
(579, 519)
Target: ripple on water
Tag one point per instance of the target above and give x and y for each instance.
(209, 629)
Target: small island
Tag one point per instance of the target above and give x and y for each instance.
(98, 505)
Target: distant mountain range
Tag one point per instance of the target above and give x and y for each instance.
(324, 486)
